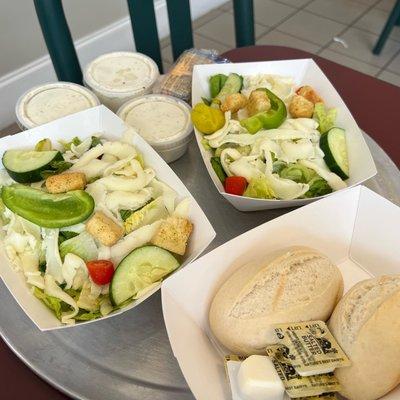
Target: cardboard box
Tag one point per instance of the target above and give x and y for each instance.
(83, 124)
(305, 71)
(357, 229)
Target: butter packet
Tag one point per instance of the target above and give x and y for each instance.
(298, 386)
(311, 347)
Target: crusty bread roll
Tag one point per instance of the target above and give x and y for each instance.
(300, 285)
(366, 324)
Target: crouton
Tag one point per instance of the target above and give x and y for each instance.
(234, 102)
(65, 182)
(310, 94)
(300, 107)
(173, 235)
(104, 229)
(258, 102)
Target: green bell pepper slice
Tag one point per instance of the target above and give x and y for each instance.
(46, 209)
(271, 119)
(218, 169)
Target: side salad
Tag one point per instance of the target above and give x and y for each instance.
(89, 224)
(269, 139)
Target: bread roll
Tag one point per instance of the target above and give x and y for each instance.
(366, 324)
(300, 285)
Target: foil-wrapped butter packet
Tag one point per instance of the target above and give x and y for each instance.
(311, 347)
(298, 386)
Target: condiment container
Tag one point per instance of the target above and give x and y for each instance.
(120, 76)
(163, 121)
(51, 101)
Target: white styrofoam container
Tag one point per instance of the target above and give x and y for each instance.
(304, 72)
(83, 124)
(357, 229)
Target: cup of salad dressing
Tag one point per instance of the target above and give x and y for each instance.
(120, 76)
(51, 101)
(163, 121)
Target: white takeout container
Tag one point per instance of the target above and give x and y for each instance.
(357, 229)
(306, 71)
(83, 124)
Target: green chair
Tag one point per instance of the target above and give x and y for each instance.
(61, 47)
(394, 19)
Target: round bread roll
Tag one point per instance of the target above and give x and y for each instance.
(366, 324)
(300, 285)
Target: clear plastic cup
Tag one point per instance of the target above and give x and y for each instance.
(163, 121)
(51, 101)
(118, 77)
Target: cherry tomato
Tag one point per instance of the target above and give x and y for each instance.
(235, 185)
(101, 271)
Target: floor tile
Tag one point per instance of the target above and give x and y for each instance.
(345, 11)
(221, 29)
(386, 5)
(294, 3)
(283, 39)
(394, 66)
(271, 13)
(206, 18)
(368, 2)
(311, 27)
(200, 42)
(349, 62)
(390, 77)
(10, 130)
(360, 44)
(227, 6)
(374, 21)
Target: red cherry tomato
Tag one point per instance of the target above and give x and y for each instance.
(235, 185)
(101, 271)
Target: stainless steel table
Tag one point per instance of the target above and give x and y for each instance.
(129, 356)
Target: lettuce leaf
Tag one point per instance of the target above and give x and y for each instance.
(57, 168)
(325, 118)
(51, 302)
(298, 173)
(318, 187)
(67, 145)
(82, 245)
(88, 316)
(258, 188)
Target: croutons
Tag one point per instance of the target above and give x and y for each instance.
(258, 102)
(310, 94)
(65, 182)
(234, 102)
(104, 229)
(173, 234)
(300, 107)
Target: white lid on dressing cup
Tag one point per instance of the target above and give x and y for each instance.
(51, 101)
(120, 76)
(163, 121)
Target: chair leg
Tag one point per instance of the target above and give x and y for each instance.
(244, 22)
(394, 18)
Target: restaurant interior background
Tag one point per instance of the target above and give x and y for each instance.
(343, 31)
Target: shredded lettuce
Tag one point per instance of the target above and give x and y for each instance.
(51, 302)
(298, 173)
(88, 316)
(325, 118)
(318, 187)
(82, 245)
(206, 146)
(65, 235)
(67, 145)
(95, 141)
(53, 259)
(259, 188)
(57, 168)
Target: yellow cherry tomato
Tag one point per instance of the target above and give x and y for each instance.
(207, 119)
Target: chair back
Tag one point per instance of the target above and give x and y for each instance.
(61, 46)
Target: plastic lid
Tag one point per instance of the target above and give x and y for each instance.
(163, 121)
(51, 101)
(121, 73)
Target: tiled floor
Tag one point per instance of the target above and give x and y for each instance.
(309, 25)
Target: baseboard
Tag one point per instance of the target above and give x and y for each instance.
(115, 37)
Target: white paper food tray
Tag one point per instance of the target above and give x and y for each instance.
(83, 124)
(304, 72)
(357, 229)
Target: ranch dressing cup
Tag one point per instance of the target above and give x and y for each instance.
(120, 76)
(51, 101)
(163, 121)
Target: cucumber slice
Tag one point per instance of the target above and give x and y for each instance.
(333, 144)
(25, 166)
(139, 269)
(45, 209)
(232, 85)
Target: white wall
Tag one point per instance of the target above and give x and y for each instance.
(97, 26)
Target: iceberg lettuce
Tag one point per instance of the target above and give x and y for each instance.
(259, 188)
(325, 118)
(82, 245)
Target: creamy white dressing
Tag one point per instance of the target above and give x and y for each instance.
(121, 72)
(157, 118)
(53, 101)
